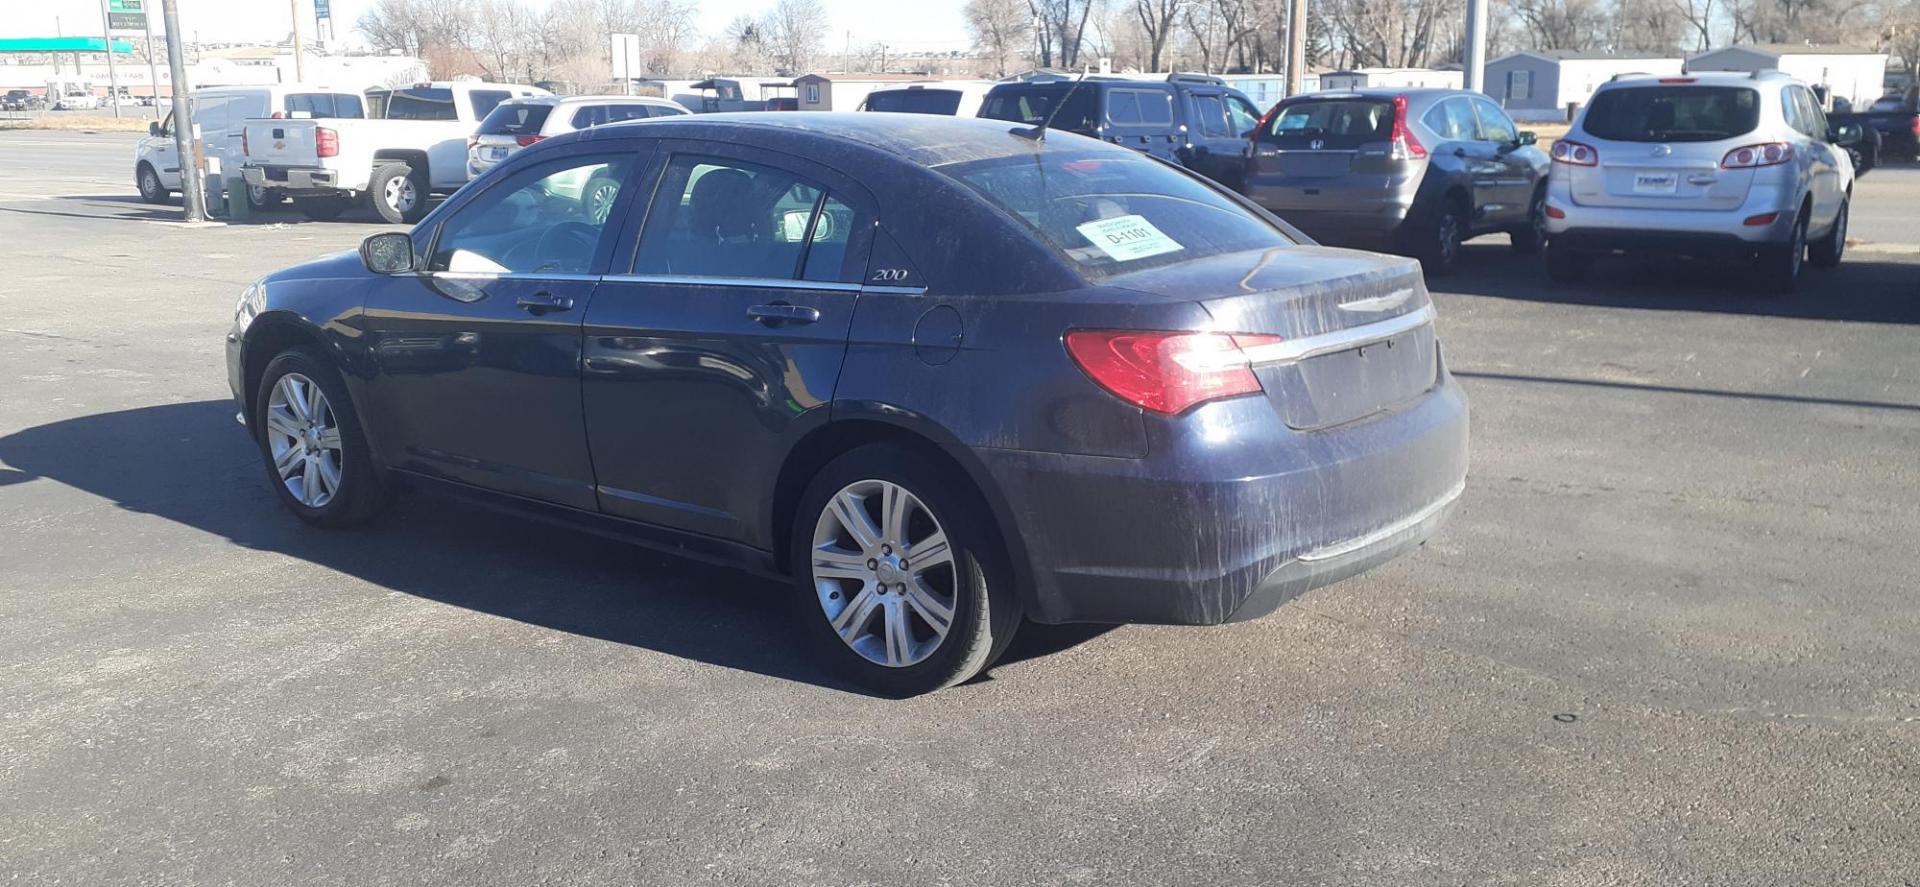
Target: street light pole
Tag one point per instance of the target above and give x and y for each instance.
(1476, 60)
(153, 67)
(185, 140)
(1296, 45)
(299, 49)
(113, 77)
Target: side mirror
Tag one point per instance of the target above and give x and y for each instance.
(153, 128)
(389, 252)
(1527, 137)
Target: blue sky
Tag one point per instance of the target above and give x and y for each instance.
(907, 25)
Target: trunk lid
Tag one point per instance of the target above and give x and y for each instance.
(1356, 328)
(1309, 141)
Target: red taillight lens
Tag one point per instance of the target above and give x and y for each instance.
(1406, 146)
(524, 141)
(1677, 80)
(326, 142)
(1554, 212)
(1750, 156)
(1575, 153)
(1916, 125)
(1761, 219)
(1167, 372)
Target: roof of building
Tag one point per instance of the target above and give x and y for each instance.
(1590, 55)
(1797, 49)
(861, 75)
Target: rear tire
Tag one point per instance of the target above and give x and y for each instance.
(848, 578)
(349, 487)
(261, 198)
(1780, 264)
(398, 194)
(1530, 238)
(324, 208)
(1827, 251)
(1566, 264)
(148, 181)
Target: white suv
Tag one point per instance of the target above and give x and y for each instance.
(1731, 165)
(521, 122)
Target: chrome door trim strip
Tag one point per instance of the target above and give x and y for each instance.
(1289, 351)
(753, 282)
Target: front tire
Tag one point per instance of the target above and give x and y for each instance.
(897, 574)
(148, 181)
(311, 443)
(399, 194)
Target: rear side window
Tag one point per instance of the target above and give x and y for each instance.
(1336, 123)
(1212, 114)
(915, 101)
(1078, 111)
(715, 217)
(1112, 212)
(515, 120)
(325, 105)
(421, 103)
(1673, 113)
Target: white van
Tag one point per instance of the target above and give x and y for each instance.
(219, 111)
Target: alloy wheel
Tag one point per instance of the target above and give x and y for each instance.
(1449, 234)
(257, 195)
(600, 201)
(400, 194)
(303, 437)
(883, 569)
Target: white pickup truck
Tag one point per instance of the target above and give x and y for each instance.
(416, 148)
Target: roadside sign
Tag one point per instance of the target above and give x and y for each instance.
(322, 9)
(625, 50)
(126, 15)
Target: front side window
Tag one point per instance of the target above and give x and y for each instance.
(714, 217)
(1495, 125)
(547, 219)
(1672, 113)
(1111, 212)
(1241, 116)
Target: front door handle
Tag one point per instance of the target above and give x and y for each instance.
(541, 303)
(782, 312)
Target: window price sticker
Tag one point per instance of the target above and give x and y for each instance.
(1126, 238)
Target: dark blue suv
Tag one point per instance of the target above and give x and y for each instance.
(1194, 120)
(941, 375)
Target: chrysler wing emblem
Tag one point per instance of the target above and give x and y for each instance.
(1317, 144)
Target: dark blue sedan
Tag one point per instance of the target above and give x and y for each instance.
(945, 374)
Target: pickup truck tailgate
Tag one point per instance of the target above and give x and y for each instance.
(282, 142)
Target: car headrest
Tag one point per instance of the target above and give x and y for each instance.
(722, 205)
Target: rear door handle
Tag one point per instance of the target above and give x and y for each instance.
(782, 312)
(541, 303)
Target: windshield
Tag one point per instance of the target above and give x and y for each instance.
(1032, 106)
(1112, 213)
(513, 119)
(1673, 113)
(422, 103)
(1334, 123)
(915, 101)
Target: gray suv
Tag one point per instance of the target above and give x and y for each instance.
(1732, 166)
(1418, 171)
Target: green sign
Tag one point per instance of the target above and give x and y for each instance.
(126, 15)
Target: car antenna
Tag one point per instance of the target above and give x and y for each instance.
(1039, 133)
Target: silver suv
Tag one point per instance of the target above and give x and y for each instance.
(1732, 165)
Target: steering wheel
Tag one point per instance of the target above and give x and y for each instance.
(565, 245)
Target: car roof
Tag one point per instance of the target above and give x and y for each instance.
(928, 140)
(1700, 78)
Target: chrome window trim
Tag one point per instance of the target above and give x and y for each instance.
(1289, 351)
(754, 282)
(509, 275)
(895, 290)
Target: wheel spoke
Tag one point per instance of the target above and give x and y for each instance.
(282, 424)
(853, 620)
(899, 640)
(330, 439)
(295, 394)
(309, 482)
(290, 459)
(937, 615)
(329, 473)
(895, 503)
(852, 514)
(829, 563)
(929, 553)
(316, 404)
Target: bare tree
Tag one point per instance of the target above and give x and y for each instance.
(1561, 24)
(1062, 25)
(794, 30)
(1157, 18)
(1000, 28)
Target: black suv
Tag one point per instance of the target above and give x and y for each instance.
(1191, 119)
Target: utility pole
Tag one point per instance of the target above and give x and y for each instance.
(186, 142)
(1297, 45)
(153, 67)
(1476, 60)
(299, 49)
(113, 77)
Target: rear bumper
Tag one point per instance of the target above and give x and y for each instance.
(1330, 211)
(1277, 513)
(1679, 230)
(292, 178)
(1671, 243)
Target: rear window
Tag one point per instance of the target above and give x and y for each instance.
(1334, 123)
(1673, 113)
(515, 120)
(421, 103)
(324, 105)
(485, 100)
(1078, 111)
(1110, 212)
(915, 101)
(1889, 103)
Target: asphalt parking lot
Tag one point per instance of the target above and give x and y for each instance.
(1670, 637)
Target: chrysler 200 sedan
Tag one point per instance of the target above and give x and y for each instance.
(945, 375)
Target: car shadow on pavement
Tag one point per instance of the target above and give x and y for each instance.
(1865, 287)
(206, 474)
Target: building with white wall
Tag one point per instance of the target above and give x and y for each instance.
(1539, 85)
(1850, 72)
(1391, 78)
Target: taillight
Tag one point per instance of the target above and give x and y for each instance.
(1750, 156)
(1167, 372)
(472, 141)
(1575, 153)
(1677, 80)
(1916, 124)
(326, 142)
(1406, 146)
(524, 141)
(1554, 212)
